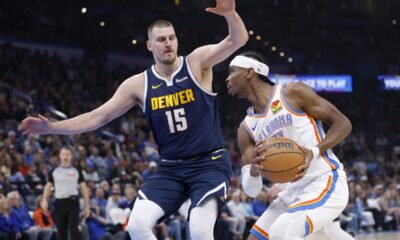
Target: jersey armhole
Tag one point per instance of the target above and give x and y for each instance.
(143, 104)
(195, 80)
(248, 131)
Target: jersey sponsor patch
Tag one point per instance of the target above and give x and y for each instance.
(181, 79)
(276, 106)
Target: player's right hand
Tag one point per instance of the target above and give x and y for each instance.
(256, 168)
(35, 125)
(224, 7)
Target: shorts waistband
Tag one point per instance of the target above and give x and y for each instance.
(193, 158)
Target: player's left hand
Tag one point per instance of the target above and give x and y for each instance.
(223, 8)
(307, 160)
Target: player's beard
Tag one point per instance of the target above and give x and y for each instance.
(169, 61)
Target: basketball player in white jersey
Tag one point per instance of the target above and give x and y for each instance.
(320, 192)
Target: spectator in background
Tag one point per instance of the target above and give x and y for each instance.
(34, 180)
(105, 185)
(259, 204)
(5, 186)
(90, 173)
(130, 194)
(42, 216)
(99, 162)
(148, 172)
(100, 201)
(389, 203)
(9, 228)
(238, 212)
(25, 223)
(114, 201)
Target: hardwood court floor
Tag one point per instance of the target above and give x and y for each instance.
(379, 236)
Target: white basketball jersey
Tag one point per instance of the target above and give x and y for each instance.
(280, 120)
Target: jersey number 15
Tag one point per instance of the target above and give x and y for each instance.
(176, 120)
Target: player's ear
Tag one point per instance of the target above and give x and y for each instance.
(148, 44)
(250, 73)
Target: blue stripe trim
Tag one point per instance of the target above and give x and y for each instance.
(257, 234)
(320, 129)
(322, 135)
(288, 105)
(247, 131)
(323, 200)
(307, 226)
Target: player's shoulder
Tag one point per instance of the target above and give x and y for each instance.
(136, 78)
(296, 89)
(134, 82)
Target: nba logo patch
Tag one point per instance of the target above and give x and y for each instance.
(276, 106)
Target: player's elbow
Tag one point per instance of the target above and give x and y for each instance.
(242, 40)
(239, 40)
(347, 126)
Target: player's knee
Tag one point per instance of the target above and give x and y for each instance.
(138, 229)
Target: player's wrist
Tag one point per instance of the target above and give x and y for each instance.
(51, 128)
(231, 14)
(251, 185)
(316, 151)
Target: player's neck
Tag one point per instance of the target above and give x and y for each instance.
(166, 70)
(261, 94)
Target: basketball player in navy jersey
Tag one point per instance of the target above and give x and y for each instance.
(176, 95)
(320, 192)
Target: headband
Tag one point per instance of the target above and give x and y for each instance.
(246, 62)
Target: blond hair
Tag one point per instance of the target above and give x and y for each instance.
(159, 24)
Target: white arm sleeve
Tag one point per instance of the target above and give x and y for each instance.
(251, 185)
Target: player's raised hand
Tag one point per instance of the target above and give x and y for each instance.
(223, 8)
(35, 125)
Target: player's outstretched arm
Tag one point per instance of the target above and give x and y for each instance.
(320, 109)
(207, 56)
(123, 99)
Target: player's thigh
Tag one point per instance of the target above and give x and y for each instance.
(322, 201)
(209, 179)
(166, 191)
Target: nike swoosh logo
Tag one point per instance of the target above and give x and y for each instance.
(216, 157)
(254, 127)
(156, 86)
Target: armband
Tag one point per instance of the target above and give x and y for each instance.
(251, 185)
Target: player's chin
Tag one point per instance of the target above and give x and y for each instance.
(169, 60)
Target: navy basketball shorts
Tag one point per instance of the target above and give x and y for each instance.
(199, 179)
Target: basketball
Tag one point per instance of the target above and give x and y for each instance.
(282, 159)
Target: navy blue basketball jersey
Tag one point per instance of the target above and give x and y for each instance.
(183, 115)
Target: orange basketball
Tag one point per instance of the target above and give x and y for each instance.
(282, 159)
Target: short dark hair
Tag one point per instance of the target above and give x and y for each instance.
(259, 57)
(158, 23)
(66, 148)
